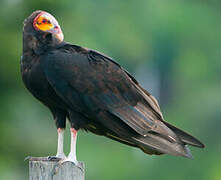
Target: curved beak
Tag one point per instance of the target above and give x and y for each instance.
(56, 31)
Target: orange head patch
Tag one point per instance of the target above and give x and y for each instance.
(47, 23)
(44, 22)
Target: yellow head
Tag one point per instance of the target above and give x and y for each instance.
(47, 23)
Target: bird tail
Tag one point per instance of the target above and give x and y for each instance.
(185, 137)
(156, 144)
(174, 143)
(162, 138)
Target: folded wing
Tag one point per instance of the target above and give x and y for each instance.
(96, 86)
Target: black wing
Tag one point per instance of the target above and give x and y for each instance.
(90, 82)
(98, 87)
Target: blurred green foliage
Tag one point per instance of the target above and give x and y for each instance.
(171, 46)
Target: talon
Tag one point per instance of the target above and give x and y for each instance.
(69, 160)
(80, 166)
(75, 162)
(54, 158)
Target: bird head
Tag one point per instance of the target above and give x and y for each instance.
(45, 22)
(41, 28)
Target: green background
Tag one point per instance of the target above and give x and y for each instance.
(172, 47)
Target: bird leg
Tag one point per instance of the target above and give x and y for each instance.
(72, 155)
(60, 151)
(60, 148)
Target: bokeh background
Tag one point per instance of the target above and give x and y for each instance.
(172, 47)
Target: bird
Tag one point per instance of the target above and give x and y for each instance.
(94, 93)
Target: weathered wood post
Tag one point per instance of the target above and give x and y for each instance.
(43, 169)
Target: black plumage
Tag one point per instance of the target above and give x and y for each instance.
(96, 94)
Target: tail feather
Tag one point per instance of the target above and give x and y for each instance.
(171, 141)
(154, 144)
(162, 138)
(185, 137)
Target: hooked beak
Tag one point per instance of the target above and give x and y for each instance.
(56, 31)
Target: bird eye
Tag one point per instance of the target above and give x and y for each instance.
(43, 23)
(44, 20)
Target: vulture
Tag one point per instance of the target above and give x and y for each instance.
(94, 93)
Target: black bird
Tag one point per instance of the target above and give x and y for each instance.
(94, 93)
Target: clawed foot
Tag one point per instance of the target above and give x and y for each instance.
(54, 158)
(74, 161)
(61, 163)
(69, 160)
(48, 158)
(58, 157)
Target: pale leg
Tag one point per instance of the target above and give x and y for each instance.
(72, 155)
(60, 150)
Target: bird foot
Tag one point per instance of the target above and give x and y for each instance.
(67, 160)
(58, 157)
(71, 160)
(53, 158)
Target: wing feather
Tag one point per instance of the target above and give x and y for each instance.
(88, 80)
(99, 88)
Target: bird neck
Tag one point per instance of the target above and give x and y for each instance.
(38, 44)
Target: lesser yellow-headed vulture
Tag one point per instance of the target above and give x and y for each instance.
(94, 93)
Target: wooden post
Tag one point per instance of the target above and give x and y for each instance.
(40, 168)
